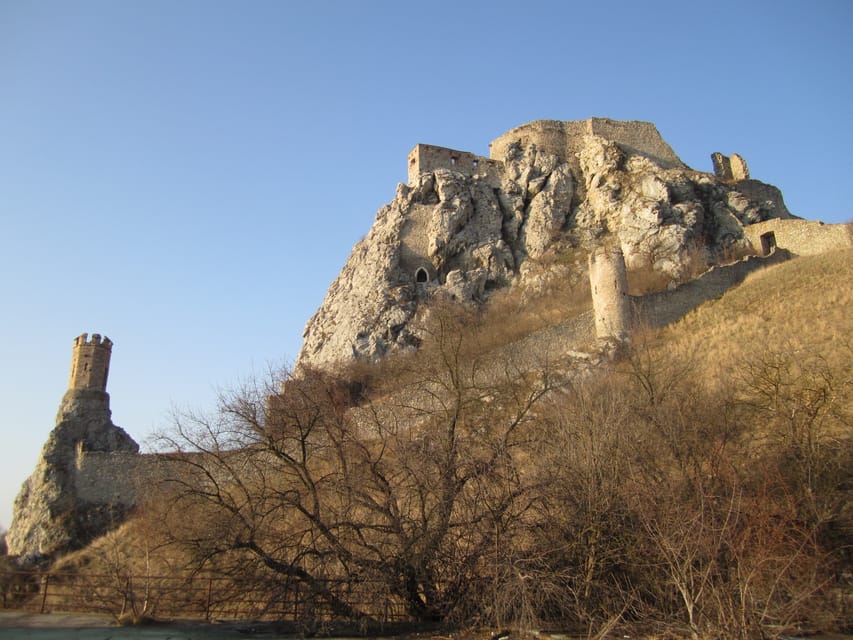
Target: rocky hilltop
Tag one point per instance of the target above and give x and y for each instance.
(466, 226)
(51, 514)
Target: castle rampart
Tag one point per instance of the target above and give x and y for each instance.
(800, 237)
(90, 362)
(108, 477)
(565, 139)
(665, 307)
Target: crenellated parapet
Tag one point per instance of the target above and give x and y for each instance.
(96, 339)
(90, 362)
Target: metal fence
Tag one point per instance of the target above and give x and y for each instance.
(195, 597)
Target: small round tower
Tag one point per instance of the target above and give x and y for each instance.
(90, 362)
(608, 280)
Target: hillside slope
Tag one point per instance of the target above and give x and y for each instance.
(801, 306)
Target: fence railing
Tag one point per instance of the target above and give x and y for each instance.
(195, 597)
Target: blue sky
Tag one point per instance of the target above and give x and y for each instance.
(188, 177)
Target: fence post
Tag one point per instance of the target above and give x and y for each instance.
(45, 581)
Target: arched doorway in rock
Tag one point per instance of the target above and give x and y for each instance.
(421, 275)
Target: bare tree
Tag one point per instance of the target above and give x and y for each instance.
(407, 493)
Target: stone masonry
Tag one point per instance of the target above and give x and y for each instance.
(608, 280)
(562, 139)
(51, 516)
(729, 168)
(466, 226)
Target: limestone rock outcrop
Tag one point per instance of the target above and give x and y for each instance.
(50, 515)
(466, 226)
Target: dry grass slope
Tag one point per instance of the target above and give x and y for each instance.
(803, 305)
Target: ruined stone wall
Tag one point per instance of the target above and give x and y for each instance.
(801, 237)
(722, 166)
(426, 157)
(608, 281)
(665, 307)
(565, 139)
(728, 168)
(738, 166)
(108, 477)
(125, 479)
(637, 138)
(118, 477)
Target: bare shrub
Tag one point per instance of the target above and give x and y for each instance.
(409, 494)
(731, 540)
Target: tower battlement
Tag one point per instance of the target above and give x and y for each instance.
(83, 339)
(90, 362)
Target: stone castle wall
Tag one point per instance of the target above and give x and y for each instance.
(565, 139)
(728, 168)
(739, 169)
(665, 307)
(120, 478)
(801, 237)
(426, 157)
(109, 477)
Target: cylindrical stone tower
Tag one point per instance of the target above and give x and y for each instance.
(608, 281)
(90, 362)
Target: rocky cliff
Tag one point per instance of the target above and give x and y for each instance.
(49, 516)
(466, 227)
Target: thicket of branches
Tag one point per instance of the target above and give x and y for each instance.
(469, 489)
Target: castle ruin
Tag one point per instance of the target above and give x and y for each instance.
(729, 168)
(70, 499)
(564, 139)
(90, 474)
(608, 279)
(90, 362)
(425, 158)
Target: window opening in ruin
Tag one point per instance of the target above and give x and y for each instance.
(421, 275)
(453, 161)
(768, 243)
(476, 163)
